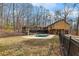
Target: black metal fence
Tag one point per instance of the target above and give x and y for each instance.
(69, 46)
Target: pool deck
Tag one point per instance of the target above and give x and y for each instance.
(33, 37)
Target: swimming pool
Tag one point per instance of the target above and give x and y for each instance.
(41, 35)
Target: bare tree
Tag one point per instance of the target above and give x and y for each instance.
(13, 16)
(1, 16)
(77, 26)
(57, 15)
(68, 8)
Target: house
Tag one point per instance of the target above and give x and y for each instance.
(35, 29)
(59, 26)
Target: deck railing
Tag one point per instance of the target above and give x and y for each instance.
(69, 46)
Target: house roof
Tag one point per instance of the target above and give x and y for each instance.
(58, 21)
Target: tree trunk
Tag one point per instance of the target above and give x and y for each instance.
(13, 17)
(77, 30)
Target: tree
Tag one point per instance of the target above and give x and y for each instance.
(13, 16)
(68, 8)
(1, 16)
(57, 15)
(77, 27)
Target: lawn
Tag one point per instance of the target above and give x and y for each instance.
(19, 46)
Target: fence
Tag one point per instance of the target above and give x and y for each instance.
(69, 46)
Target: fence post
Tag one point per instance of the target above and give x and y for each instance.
(61, 35)
(68, 53)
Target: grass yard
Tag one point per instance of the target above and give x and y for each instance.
(19, 46)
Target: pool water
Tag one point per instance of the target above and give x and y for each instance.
(41, 35)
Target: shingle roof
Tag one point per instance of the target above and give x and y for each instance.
(58, 21)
